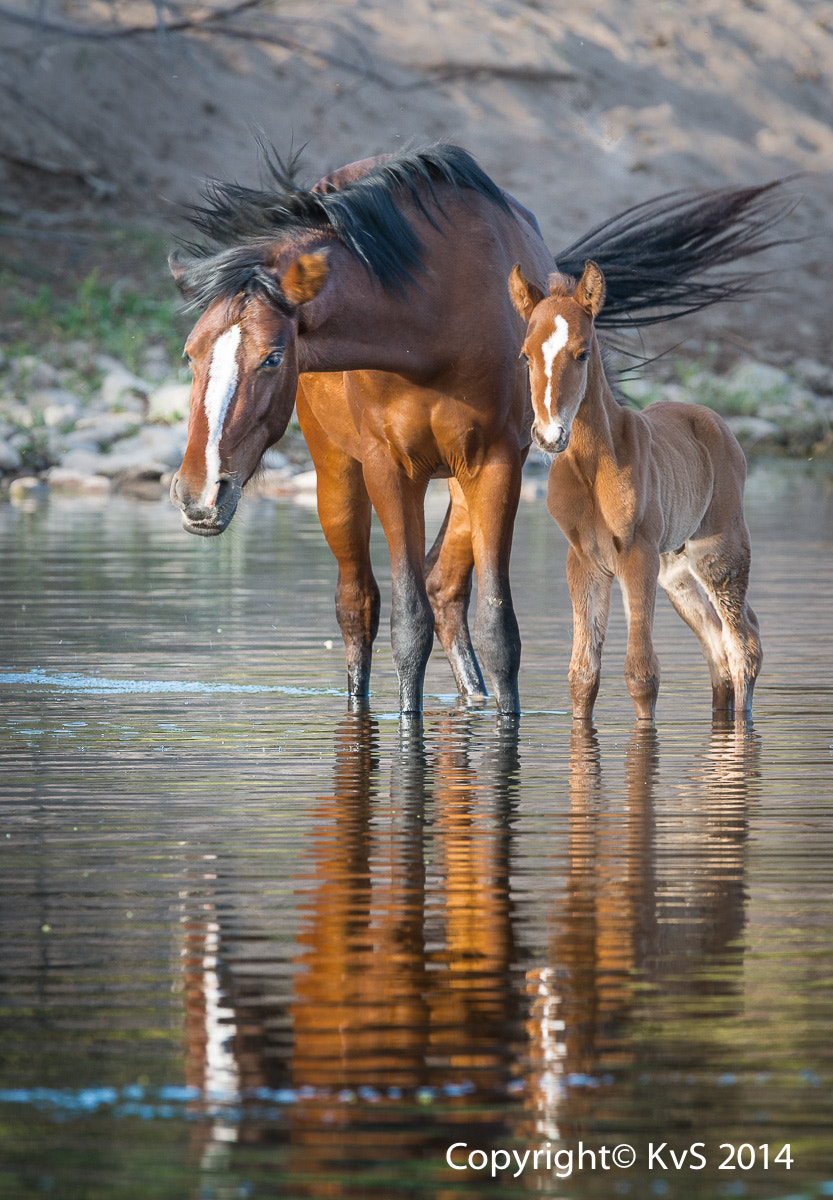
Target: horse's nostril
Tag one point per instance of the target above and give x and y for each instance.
(178, 495)
(217, 495)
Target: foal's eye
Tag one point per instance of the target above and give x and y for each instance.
(186, 358)
(274, 359)
(583, 356)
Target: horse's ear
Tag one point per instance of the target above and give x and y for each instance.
(524, 295)
(590, 290)
(177, 267)
(304, 278)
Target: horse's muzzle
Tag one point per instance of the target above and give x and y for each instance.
(554, 445)
(206, 520)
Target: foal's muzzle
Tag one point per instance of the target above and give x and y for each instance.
(206, 519)
(554, 444)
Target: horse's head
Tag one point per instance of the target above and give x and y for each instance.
(244, 358)
(557, 346)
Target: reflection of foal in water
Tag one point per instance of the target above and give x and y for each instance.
(639, 495)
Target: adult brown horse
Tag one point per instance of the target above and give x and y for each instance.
(377, 302)
(639, 495)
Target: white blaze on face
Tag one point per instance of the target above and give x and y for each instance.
(554, 344)
(222, 381)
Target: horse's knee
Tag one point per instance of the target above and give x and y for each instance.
(584, 678)
(357, 613)
(357, 609)
(642, 679)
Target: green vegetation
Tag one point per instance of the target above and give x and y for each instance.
(114, 294)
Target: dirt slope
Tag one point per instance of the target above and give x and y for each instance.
(579, 110)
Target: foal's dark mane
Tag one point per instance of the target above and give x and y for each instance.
(241, 225)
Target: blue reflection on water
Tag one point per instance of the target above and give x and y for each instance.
(95, 685)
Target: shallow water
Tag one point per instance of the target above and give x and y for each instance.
(254, 945)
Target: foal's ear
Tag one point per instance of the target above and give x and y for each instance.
(590, 290)
(524, 295)
(304, 278)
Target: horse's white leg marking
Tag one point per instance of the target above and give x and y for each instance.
(554, 344)
(222, 381)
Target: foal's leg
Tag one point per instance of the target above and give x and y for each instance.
(721, 562)
(690, 600)
(399, 503)
(638, 571)
(344, 511)
(450, 565)
(590, 588)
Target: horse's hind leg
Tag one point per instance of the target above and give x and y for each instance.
(692, 603)
(449, 565)
(722, 566)
(344, 511)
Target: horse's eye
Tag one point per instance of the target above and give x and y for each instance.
(274, 359)
(583, 356)
(186, 357)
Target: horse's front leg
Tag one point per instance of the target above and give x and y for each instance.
(492, 497)
(638, 571)
(590, 588)
(450, 565)
(399, 503)
(344, 511)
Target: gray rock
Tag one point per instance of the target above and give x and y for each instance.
(39, 400)
(121, 387)
(817, 376)
(155, 365)
(64, 412)
(758, 379)
(107, 427)
(274, 460)
(83, 461)
(79, 439)
(170, 402)
(32, 373)
(62, 479)
(28, 487)
(154, 443)
(755, 431)
(10, 459)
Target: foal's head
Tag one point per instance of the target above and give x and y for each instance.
(243, 355)
(558, 343)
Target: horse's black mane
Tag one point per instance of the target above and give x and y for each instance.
(240, 225)
(656, 255)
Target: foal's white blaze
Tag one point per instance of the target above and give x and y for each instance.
(553, 346)
(222, 381)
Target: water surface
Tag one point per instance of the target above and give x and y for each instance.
(256, 945)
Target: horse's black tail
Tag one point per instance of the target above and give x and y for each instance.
(654, 255)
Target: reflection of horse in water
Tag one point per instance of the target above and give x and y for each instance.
(402, 984)
(651, 909)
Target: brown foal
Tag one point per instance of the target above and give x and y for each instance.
(642, 496)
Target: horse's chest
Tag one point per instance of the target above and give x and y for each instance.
(596, 515)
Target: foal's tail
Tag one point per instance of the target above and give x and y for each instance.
(655, 254)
